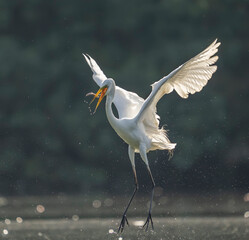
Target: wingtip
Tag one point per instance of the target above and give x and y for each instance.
(88, 56)
(88, 59)
(85, 55)
(216, 43)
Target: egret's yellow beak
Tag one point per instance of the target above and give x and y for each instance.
(101, 91)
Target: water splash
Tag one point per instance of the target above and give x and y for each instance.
(89, 108)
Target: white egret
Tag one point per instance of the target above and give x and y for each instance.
(138, 123)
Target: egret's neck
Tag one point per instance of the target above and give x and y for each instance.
(108, 107)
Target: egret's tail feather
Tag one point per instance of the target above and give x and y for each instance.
(161, 141)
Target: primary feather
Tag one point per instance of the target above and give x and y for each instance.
(190, 77)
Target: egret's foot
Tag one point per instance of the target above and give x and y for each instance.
(148, 221)
(122, 224)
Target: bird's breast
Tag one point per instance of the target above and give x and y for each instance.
(130, 133)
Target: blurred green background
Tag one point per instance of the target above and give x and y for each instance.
(49, 141)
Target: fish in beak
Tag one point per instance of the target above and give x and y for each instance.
(102, 91)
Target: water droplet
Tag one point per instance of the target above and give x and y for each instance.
(111, 231)
(96, 203)
(138, 223)
(75, 218)
(7, 221)
(246, 197)
(246, 214)
(19, 220)
(90, 110)
(40, 208)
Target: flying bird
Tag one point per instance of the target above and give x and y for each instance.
(137, 122)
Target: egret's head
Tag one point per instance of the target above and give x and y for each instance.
(107, 85)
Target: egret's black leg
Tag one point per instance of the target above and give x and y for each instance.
(124, 218)
(149, 218)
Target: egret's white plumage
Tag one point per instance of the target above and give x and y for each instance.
(138, 123)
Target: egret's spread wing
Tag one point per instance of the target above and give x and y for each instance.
(190, 77)
(127, 103)
(98, 76)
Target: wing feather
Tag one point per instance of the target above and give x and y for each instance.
(190, 77)
(127, 103)
(98, 76)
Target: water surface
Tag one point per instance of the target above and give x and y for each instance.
(204, 228)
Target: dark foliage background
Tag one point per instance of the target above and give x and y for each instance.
(49, 141)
